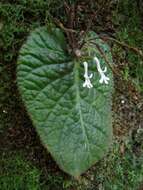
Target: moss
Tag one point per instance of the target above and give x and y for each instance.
(18, 174)
(128, 18)
(121, 170)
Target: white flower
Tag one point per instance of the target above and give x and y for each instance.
(103, 79)
(87, 82)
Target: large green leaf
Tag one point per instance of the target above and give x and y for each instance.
(74, 123)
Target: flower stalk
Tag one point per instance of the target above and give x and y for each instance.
(103, 79)
(87, 77)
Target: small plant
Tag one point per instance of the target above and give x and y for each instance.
(68, 98)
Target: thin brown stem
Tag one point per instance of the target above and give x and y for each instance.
(105, 58)
(124, 45)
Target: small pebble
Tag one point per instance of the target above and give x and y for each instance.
(123, 101)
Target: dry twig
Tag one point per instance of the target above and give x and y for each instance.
(124, 45)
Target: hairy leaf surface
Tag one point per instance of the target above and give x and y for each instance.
(74, 123)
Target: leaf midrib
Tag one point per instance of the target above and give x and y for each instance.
(78, 104)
